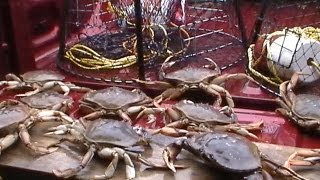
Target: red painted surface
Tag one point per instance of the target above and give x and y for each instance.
(35, 26)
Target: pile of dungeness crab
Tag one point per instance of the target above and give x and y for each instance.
(211, 130)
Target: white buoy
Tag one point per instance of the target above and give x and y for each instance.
(290, 53)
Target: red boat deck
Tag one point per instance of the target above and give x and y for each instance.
(252, 102)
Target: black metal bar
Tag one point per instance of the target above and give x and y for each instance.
(62, 31)
(241, 24)
(138, 18)
(258, 23)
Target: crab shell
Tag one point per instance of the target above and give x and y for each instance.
(192, 75)
(41, 76)
(11, 115)
(113, 98)
(111, 132)
(225, 151)
(45, 100)
(305, 107)
(202, 113)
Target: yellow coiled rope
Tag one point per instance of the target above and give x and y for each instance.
(87, 58)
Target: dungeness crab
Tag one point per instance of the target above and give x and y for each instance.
(113, 100)
(38, 81)
(15, 120)
(302, 109)
(202, 117)
(110, 139)
(207, 78)
(229, 153)
(48, 100)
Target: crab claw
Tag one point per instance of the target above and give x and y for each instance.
(168, 160)
(43, 150)
(311, 157)
(169, 94)
(312, 160)
(170, 153)
(7, 141)
(58, 130)
(25, 137)
(29, 93)
(149, 111)
(66, 173)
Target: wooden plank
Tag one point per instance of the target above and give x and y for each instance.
(69, 156)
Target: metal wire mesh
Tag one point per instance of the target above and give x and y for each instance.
(100, 42)
(287, 41)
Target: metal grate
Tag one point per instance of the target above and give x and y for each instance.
(99, 38)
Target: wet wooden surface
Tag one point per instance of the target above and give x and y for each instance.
(69, 155)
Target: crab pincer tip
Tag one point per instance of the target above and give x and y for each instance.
(52, 149)
(168, 160)
(57, 173)
(64, 174)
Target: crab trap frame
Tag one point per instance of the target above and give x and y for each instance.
(284, 41)
(100, 38)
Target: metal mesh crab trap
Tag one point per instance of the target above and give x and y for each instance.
(286, 41)
(100, 41)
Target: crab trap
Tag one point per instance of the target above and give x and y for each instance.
(286, 40)
(116, 41)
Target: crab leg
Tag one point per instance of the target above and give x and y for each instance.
(74, 87)
(220, 90)
(171, 152)
(170, 93)
(7, 141)
(170, 131)
(124, 116)
(36, 89)
(52, 114)
(13, 77)
(173, 128)
(8, 103)
(73, 171)
(150, 111)
(279, 169)
(286, 111)
(212, 91)
(9, 83)
(286, 88)
(75, 129)
(242, 129)
(310, 154)
(10, 86)
(229, 112)
(116, 153)
(112, 166)
(51, 84)
(94, 115)
(45, 115)
(25, 137)
(63, 106)
(225, 77)
(161, 84)
(46, 86)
